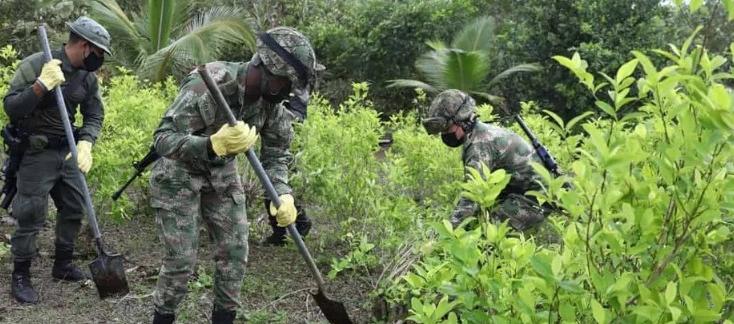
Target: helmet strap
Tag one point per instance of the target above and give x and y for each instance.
(291, 60)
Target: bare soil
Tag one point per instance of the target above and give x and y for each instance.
(275, 289)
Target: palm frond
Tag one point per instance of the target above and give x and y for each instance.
(405, 83)
(160, 20)
(431, 67)
(492, 99)
(436, 45)
(476, 36)
(127, 42)
(202, 42)
(465, 71)
(526, 67)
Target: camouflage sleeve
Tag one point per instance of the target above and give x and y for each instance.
(175, 137)
(92, 111)
(20, 99)
(474, 155)
(276, 134)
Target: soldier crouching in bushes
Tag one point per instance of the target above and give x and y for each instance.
(452, 115)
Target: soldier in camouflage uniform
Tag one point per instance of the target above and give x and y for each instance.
(452, 115)
(196, 178)
(45, 167)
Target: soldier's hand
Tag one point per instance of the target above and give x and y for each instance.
(286, 214)
(51, 74)
(83, 155)
(232, 140)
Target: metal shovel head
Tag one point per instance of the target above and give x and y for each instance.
(108, 274)
(334, 311)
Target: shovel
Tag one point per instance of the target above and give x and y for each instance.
(107, 270)
(334, 311)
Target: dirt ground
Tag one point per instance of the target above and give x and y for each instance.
(275, 289)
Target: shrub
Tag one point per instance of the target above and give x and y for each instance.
(645, 229)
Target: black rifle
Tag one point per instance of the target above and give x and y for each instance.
(139, 166)
(15, 149)
(548, 161)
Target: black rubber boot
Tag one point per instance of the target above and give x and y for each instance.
(159, 318)
(221, 316)
(65, 270)
(20, 284)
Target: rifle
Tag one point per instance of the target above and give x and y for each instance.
(139, 166)
(15, 150)
(548, 161)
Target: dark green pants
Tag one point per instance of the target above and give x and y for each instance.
(45, 171)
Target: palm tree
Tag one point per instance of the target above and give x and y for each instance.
(464, 66)
(169, 37)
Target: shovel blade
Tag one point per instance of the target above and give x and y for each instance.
(108, 274)
(334, 311)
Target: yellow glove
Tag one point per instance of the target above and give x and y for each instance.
(83, 155)
(51, 75)
(286, 214)
(232, 140)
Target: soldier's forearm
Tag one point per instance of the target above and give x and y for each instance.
(20, 103)
(186, 148)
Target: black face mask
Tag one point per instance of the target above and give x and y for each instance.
(450, 140)
(274, 98)
(92, 62)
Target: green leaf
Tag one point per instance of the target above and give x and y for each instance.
(671, 292)
(720, 97)
(555, 117)
(526, 67)
(577, 119)
(729, 5)
(695, 5)
(675, 312)
(541, 267)
(598, 311)
(465, 70)
(718, 296)
(478, 35)
(605, 107)
(404, 83)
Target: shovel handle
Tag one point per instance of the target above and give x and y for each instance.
(264, 179)
(61, 104)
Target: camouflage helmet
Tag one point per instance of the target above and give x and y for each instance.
(295, 43)
(448, 107)
(92, 31)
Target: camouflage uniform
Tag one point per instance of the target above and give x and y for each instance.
(495, 147)
(499, 148)
(188, 182)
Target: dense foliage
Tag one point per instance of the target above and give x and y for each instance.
(643, 236)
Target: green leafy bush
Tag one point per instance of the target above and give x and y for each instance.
(645, 229)
(133, 110)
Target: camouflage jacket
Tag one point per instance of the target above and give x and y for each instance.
(40, 114)
(498, 148)
(182, 136)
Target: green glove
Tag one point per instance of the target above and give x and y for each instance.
(51, 75)
(286, 214)
(232, 140)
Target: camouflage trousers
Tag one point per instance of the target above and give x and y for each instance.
(520, 211)
(43, 172)
(181, 200)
